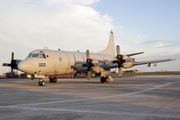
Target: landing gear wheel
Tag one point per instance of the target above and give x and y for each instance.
(50, 80)
(104, 80)
(41, 83)
(55, 80)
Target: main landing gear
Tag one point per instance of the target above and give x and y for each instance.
(104, 80)
(52, 80)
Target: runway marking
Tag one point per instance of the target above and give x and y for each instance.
(98, 111)
(29, 106)
(104, 97)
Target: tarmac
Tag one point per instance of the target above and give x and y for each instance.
(148, 97)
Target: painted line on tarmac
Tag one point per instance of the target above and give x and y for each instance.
(97, 112)
(104, 97)
(22, 106)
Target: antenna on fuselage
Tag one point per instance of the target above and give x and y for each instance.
(46, 48)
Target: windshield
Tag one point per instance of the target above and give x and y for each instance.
(35, 55)
(30, 55)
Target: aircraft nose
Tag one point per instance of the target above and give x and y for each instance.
(25, 66)
(21, 66)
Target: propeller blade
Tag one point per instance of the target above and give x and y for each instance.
(88, 75)
(120, 72)
(87, 54)
(6, 64)
(118, 50)
(12, 56)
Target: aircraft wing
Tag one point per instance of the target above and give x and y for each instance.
(107, 67)
(81, 69)
(151, 61)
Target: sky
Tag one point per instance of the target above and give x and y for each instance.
(151, 26)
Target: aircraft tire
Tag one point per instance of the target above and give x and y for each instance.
(55, 80)
(106, 80)
(102, 80)
(51, 80)
(41, 83)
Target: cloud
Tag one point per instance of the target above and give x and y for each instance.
(159, 43)
(38, 25)
(82, 2)
(69, 25)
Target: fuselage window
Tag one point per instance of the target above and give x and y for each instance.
(42, 56)
(35, 55)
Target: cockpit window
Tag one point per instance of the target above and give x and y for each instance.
(30, 55)
(42, 56)
(35, 55)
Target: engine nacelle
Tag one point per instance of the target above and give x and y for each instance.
(130, 60)
(127, 65)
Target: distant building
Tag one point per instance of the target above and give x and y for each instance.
(8, 75)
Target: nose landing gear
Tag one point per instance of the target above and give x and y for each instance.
(41, 82)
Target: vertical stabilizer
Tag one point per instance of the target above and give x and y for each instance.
(110, 50)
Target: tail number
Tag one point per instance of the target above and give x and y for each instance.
(42, 64)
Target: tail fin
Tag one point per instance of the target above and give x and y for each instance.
(110, 50)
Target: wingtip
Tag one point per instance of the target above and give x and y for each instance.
(173, 59)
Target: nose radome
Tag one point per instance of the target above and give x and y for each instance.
(25, 66)
(21, 66)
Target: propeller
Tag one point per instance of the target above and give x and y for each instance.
(119, 61)
(13, 64)
(88, 64)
